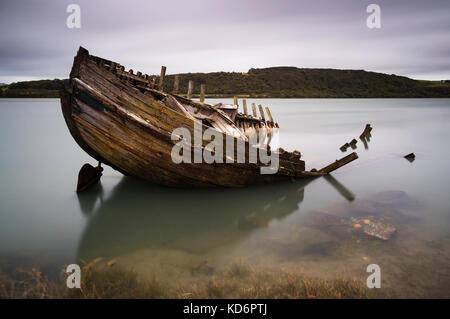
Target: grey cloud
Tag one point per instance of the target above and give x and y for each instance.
(213, 35)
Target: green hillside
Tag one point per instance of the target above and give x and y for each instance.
(287, 82)
(34, 89)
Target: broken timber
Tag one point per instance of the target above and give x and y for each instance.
(339, 163)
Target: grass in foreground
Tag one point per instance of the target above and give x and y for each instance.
(237, 281)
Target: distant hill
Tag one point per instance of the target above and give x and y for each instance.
(285, 82)
(35, 89)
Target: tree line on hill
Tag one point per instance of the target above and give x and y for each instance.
(275, 82)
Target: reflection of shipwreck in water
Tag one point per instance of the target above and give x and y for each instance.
(126, 121)
(137, 215)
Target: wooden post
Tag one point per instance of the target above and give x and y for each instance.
(366, 131)
(262, 112)
(202, 93)
(244, 104)
(269, 114)
(235, 100)
(176, 84)
(190, 89)
(161, 78)
(254, 110)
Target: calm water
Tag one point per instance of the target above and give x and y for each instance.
(291, 226)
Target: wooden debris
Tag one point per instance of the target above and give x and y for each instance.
(410, 157)
(339, 163)
(366, 131)
(271, 123)
(344, 147)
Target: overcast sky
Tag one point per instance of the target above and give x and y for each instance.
(226, 35)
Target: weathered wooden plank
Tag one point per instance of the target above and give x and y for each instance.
(261, 111)
(254, 110)
(339, 163)
(269, 114)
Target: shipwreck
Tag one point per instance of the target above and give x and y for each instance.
(126, 120)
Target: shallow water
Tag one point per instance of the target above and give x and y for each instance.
(304, 227)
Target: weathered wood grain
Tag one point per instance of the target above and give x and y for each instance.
(121, 120)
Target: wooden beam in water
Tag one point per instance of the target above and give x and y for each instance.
(202, 93)
(339, 163)
(235, 100)
(190, 89)
(244, 104)
(262, 112)
(161, 78)
(176, 84)
(366, 131)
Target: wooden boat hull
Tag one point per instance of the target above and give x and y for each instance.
(121, 126)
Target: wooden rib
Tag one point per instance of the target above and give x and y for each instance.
(262, 112)
(254, 110)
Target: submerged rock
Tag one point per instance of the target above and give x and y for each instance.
(375, 227)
